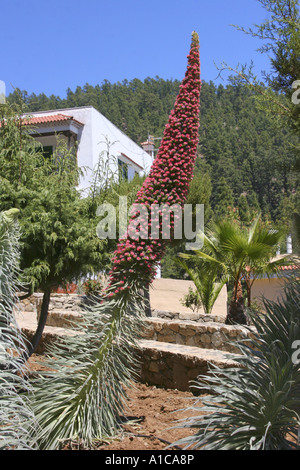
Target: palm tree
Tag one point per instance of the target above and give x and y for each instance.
(236, 254)
(208, 283)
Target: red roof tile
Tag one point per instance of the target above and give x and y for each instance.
(53, 118)
(48, 119)
(289, 267)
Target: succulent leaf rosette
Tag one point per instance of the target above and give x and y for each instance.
(139, 252)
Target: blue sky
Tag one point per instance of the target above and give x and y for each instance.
(48, 46)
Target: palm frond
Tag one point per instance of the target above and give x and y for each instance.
(271, 267)
(203, 256)
(253, 228)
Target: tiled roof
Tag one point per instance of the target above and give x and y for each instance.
(289, 267)
(53, 118)
(295, 263)
(35, 120)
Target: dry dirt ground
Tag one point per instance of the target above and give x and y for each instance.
(151, 414)
(151, 418)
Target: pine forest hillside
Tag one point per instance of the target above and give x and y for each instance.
(246, 159)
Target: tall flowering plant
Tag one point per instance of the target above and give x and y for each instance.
(84, 397)
(135, 260)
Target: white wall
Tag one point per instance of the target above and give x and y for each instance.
(100, 135)
(2, 92)
(93, 138)
(85, 137)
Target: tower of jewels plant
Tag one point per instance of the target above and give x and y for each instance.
(136, 258)
(82, 395)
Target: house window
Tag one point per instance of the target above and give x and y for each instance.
(48, 151)
(123, 169)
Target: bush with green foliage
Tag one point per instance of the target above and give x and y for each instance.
(191, 300)
(92, 287)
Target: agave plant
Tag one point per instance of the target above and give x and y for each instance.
(82, 395)
(255, 406)
(16, 417)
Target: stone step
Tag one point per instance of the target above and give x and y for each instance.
(207, 335)
(193, 316)
(50, 335)
(63, 318)
(167, 365)
(27, 322)
(176, 366)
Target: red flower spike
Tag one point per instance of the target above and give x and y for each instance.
(167, 182)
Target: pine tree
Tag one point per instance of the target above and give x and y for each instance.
(58, 241)
(223, 200)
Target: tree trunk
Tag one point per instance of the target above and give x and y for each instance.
(41, 323)
(147, 302)
(237, 311)
(249, 297)
(26, 296)
(249, 284)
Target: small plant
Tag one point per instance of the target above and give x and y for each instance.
(206, 280)
(191, 300)
(92, 287)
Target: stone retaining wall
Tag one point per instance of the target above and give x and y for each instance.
(177, 366)
(189, 329)
(69, 302)
(73, 302)
(209, 335)
(192, 316)
(176, 349)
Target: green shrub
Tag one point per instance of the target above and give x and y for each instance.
(92, 287)
(191, 300)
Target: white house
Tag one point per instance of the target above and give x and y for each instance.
(2, 92)
(96, 137)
